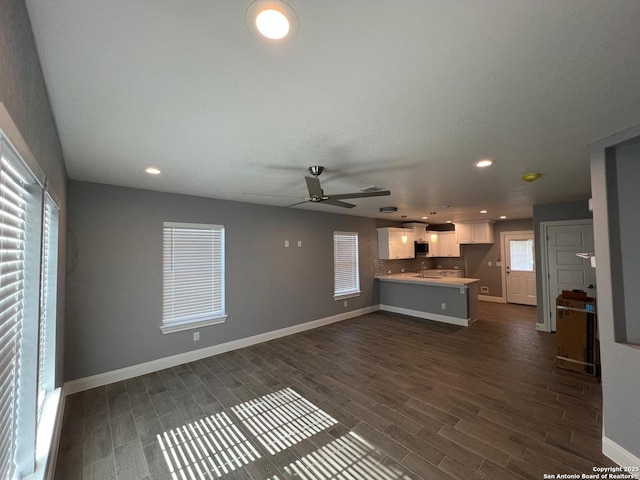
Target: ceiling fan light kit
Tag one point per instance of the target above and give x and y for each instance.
(388, 209)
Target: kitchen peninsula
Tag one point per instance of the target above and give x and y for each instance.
(443, 299)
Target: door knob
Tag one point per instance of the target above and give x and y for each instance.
(590, 286)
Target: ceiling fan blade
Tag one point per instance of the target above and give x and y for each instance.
(341, 196)
(338, 203)
(313, 184)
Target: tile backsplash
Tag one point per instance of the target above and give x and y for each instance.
(382, 267)
(448, 263)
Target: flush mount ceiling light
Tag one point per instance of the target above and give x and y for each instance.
(388, 209)
(531, 177)
(152, 171)
(485, 162)
(272, 20)
(503, 217)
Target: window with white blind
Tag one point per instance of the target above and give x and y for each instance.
(21, 194)
(346, 275)
(48, 295)
(193, 276)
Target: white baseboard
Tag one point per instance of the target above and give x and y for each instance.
(75, 386)
(463, 322)
(491, 298)
(620, 455)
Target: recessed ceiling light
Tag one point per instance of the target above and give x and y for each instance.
(424, 218)
(483, 211)
(449, 221)
(272, 20)
(272, 24)
(152, 171)
(485, 162)
(502, 217)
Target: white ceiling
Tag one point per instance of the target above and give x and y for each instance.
(405, 95)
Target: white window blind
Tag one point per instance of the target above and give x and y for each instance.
(20, 198)
(48, 294)
(346, 274)
(193, 276)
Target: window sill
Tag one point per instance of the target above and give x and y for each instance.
(44, 435)
(182, 326)
(344, 296)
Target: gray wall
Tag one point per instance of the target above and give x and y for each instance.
(477, 257)
(24, 95)
(114, 296)
(627, 180)
(552, 212)
(614, 180)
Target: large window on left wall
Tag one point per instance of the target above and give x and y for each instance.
(28, 292)
(193, 276)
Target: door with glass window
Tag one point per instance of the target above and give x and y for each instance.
(520, 268)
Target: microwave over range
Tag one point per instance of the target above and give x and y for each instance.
(422, 249)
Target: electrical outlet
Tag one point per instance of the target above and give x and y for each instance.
(443, 306)
(346, 303)
(484, 289)
(196, 336)
(388, 272)
(489, 264)
(402, 270)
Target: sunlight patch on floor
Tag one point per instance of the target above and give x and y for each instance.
(207, 448)
(282, 419)
(348, 457)
(214, 446)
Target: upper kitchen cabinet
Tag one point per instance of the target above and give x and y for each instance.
(475, 232)
(419, 231)
(395, 243)
(444, 244)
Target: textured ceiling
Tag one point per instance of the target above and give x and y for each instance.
(405, 95)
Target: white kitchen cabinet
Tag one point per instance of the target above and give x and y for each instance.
(419, 231)
(443, 244)
(475, 232)
(395, 243)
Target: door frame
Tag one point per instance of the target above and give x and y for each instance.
(544, 268)
(503, 253)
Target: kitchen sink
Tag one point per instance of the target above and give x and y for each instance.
(429, 276)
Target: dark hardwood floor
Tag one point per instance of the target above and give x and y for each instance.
(381, 396)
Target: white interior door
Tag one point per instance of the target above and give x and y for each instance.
(520, 268)
(566, 270)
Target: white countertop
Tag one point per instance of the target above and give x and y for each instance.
(414, 278)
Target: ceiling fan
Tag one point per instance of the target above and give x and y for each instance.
(316, 194)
